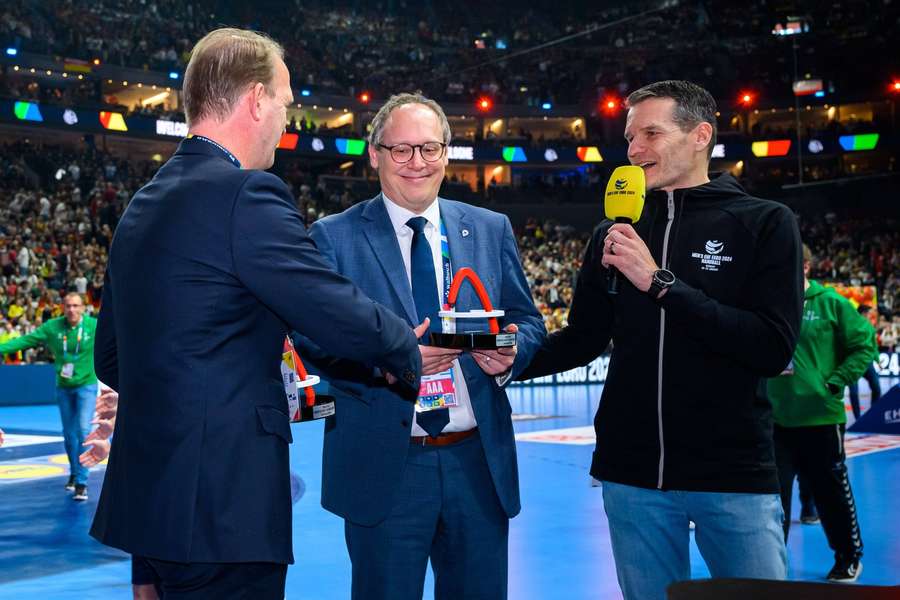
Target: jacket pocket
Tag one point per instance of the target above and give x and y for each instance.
(274, 422)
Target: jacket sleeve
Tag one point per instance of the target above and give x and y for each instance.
(855, 352)
(590, 321)
(106, 360)
(516, 301)
(278, 262)
(322, 362)
(35, 338)
(763, 332)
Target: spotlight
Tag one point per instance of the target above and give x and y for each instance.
(610, 105)
(484, 104)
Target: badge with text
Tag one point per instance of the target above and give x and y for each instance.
(306, 406)
(67, 371)
(482, 340)
(437, 391)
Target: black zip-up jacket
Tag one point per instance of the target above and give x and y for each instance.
(682, 408)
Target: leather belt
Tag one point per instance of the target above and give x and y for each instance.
(444, 439)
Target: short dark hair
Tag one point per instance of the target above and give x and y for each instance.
(693, 104)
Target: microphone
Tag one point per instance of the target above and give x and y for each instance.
(623, 203)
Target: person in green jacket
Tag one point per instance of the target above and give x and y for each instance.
(70, 339)
(833, 351)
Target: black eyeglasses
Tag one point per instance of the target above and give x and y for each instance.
(403, 153)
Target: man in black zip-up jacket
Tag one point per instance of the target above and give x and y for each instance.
(711, 305)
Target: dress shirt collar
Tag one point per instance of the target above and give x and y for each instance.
(400, 215)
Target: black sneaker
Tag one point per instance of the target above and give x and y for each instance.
(80, 493)
(70, 484)
(845, 570)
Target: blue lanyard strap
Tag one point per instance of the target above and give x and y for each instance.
(217, 145)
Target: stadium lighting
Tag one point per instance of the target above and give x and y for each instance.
(484, 104)
(365, 97)
(11, 52)
(610, 105)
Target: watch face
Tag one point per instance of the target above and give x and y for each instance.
(665, 277)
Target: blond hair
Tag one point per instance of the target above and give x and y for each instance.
(223, 65)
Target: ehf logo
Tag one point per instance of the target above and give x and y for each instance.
(892, 416)
(714, 247)
(712, 259)
(621, 184)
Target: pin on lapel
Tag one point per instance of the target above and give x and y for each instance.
(465, 233)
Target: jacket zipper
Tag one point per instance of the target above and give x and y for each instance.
(662, 334)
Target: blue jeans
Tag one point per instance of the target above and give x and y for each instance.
(76, 409)
(739, 535)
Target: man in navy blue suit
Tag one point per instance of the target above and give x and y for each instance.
(436, 478)
(210, 267)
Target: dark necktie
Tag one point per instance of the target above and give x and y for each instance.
(424, 289)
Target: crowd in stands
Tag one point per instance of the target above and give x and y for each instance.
(457, 52)
(859, 253)
(58, 211)
(59, 208)
(551, 256)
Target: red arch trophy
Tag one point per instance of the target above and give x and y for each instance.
(309, 406)
(490, 340)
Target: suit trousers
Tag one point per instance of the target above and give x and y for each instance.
(446, 509)
(234, 581)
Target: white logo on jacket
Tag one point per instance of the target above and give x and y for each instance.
(712, 258)
(714, 247)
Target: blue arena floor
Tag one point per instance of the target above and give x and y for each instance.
(559, 544)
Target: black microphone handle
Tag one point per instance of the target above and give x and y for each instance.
(612, 284)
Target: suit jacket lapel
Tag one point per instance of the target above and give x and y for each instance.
(380, 234)
(460, 235)
(461, 238)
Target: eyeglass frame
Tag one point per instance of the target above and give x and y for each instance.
(390, 150)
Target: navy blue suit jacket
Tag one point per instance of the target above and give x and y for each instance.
(366, 442)
(210, 266)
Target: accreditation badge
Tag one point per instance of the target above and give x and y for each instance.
(437, 391)
(289, 378)
(67, 371)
